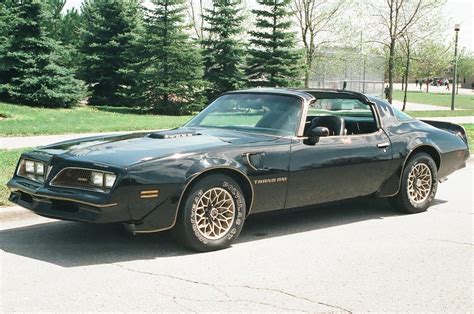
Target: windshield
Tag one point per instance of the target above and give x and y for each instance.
(252, 112)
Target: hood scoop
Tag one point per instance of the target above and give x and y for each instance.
(173, 134)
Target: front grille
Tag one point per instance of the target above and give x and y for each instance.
(74, 178)
(80, 178)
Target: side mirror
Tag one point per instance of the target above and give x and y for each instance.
(315, 134)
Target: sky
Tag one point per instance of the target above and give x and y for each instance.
(457, 11)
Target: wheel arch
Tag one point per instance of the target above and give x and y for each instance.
(392, 185)
(425, 148)
(241, 178)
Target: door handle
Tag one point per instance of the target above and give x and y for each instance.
(383, 145)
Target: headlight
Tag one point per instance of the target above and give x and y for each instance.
(103, 180)
(97, 178)
(109, 180)
(29, 166)
(30, 169)
(39, 168)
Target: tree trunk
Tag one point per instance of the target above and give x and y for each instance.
(391, 69)
(407, 72)
(457, 85)
(403, 81)
(307, 72)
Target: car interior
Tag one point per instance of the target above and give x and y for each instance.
(342, 116)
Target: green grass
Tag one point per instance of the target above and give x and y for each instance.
(16, 120)
(442, 113)
(470, 135)
(8, 160)
(436, 99)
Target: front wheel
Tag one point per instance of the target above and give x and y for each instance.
(418, 186)
(212, 215)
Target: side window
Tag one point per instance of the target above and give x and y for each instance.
(401, 116)
(356, 116)
(385, 109)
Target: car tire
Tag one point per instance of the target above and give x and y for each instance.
(212, 214)
(418, 186)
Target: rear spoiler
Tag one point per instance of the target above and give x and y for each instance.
(450, 127)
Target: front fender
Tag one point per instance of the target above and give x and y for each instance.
(171, 177)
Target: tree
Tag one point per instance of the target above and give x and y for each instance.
(6, 22)
(314, 18)
(465, 65)
(427, 26)
(33, 62)
(106, 40)
(394, 18)
(223, 53)
(431, 59)
(53, 16)
(273, 60)
(69, 30)
(195, 11)
(170, 79)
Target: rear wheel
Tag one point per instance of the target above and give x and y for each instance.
(418, 186)
(212, 215)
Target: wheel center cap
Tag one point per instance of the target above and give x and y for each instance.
(214, 212)
(418, 183)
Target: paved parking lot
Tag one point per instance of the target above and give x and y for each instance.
(354, 256)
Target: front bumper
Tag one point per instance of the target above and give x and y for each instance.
(66, 204)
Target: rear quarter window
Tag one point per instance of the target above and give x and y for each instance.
(402, 116)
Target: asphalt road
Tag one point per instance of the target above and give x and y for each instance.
(354, 256)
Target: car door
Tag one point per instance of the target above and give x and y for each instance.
(338, 167)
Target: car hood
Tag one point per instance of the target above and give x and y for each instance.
(132, 148)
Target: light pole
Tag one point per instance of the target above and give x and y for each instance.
(456, 29)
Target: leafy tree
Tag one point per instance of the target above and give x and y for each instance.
(108, 28)
(393, 18)
(273, 60)
(32, 61)
(314, 18)
(223, 53)
(430, 60)
(170, 67)
(465, 66)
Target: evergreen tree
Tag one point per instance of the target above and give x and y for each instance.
(170, 79)
(70, 28)
(223, 54)
(32, 61)
(273, 60)
(6, 22)
(107, 37)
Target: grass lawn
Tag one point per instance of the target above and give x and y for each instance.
(470, 135)
(442, 113)
(436, 99)
(24, 120)
(8, 160)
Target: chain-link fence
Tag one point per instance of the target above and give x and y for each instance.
(360, 72)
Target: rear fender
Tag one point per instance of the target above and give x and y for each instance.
(454, 128)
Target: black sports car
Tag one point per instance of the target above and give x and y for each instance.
(249, 151)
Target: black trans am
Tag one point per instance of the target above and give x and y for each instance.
(250, 151)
